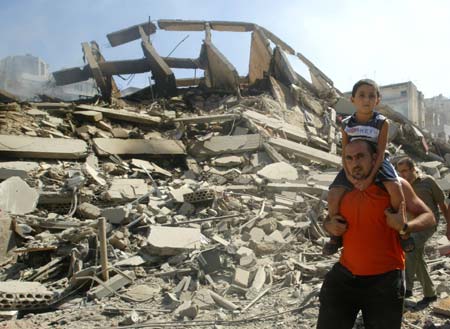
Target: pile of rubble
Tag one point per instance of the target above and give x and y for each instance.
(198, 209)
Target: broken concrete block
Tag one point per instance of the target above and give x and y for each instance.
(281, 209)
(167, 241)
(259, 279)
(227, 161)
(115, 283)
(306, 152)
(279, 171)
(88, 211)
(291, 132)
(268, 224)
(91, 116)
(130, 261)
(126, 189)
(92, 173)
(227, 144)
(276, 236)
(186, 209)
(257, 284)
(16, 295)
(444, 250)
(119, 240)
(296, 187)
(281, 200)
(17, 168)
(186, 309)
(199, 196)
(241, 277)
(42, 148)
(248, 260)
(142, 291)
(119, 133)
(107, 146)
(263, 248)
(16, 197)
(123, 115)
(243, 251)
(442, 307)
(256, 234)
(178, 194)
(115, 215)
(8, 315)
(203, 299)
(222, 302)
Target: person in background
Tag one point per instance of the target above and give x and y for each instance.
(429, 191)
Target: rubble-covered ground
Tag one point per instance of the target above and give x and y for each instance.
(223, 236)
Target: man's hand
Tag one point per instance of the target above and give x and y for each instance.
(336, 226)
(396, 220)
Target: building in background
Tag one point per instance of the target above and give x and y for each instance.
(27, 77)
(437, 118)
(405, 99)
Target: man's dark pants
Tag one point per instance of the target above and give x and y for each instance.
(379, 297)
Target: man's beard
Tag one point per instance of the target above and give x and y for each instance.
(358, 173)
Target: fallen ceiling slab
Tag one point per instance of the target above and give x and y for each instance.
(42, 148)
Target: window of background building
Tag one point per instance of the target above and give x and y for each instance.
(403, 93)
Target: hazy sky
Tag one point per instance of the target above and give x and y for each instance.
(390, 41)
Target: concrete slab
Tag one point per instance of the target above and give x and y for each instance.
(130, 33)
(15, 295)
(107, 146)
(17, 168)
(122, 115)
(178, 194)
(88, 211)
(219, 72)
(227, 144)
(279, 171)
(166, 241)
(115, 215)
(227, 161)
(296, 187)
(291, 132)
(126, 189)
(164, 77)
(16, 197)
(208, 118)
(42, 148)
(91, 172)
(260, 56)
(115, 283)
(306, 152)
(91, 116)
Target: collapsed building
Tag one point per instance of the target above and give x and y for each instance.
(191, 202)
